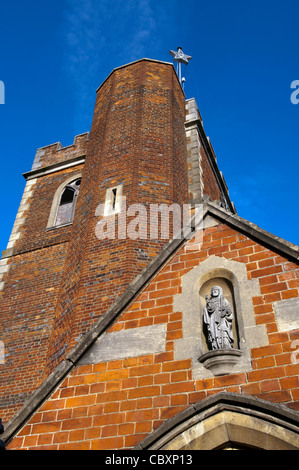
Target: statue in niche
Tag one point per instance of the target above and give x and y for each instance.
(218, 318)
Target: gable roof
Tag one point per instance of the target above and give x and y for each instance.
(43, 392)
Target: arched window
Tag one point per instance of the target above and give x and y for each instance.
(66, 208)
(64, 202)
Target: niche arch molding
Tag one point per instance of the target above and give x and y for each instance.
(189, 302)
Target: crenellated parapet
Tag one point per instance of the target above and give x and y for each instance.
(56, 153)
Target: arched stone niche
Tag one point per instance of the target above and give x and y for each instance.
(239, 290)
(228, 294)
(221, 360)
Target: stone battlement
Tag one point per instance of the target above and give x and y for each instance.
(56, 153)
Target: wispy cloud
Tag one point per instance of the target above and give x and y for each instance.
(100, 35)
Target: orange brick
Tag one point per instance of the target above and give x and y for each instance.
(277, 396)
(30, 441)
(172, 411)
(132, 441)
(178, 400)
(176, 365)
(126, 428)
(80, 412)
(196, 397)
(75, 446)
(115, 365)
(78, 423)
(178, 387)
(94, 432)
(111, 407)
(251, 388)
(101, 367)
(45, 428)
(266, 262)
(117, 395)
(107, 419)
(142, 415)
(107, 443)
(161, 401)
(163, 357)
(264, 362)
(226, 380)
(162, 310)
(113, 385)
(266, 271)
(108, 431)
(274, 288)
(130, 362)
(144, 392)
(77, 435)
(264, 374)
(145, 380)
(278, 338)
(289, 294)
(172, 335)
(145, 427)
(266, 350)
(289, 382)
(144, 403)
(179, 376)
(204, 384)
(292, 369)
(80, 401)
(269, 385)
(263, 308)
(113, 375)
(49, 416)
(145, 370)
(53, 405)
(16, 443)
(268, 280)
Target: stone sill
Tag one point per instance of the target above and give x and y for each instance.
(221, 361)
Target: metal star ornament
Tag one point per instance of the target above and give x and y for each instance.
(179, 56)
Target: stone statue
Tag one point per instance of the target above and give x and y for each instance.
(218, 317)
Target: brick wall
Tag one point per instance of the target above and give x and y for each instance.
(26, 315)
(29, 290)
(114, 405)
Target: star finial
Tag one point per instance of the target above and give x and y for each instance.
(179, 56)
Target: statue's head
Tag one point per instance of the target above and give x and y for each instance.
(216, 291)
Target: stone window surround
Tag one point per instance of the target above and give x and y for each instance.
(113, 200)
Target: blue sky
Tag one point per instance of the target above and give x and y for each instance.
(55, 53)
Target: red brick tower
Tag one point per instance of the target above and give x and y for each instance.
(137, 147)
